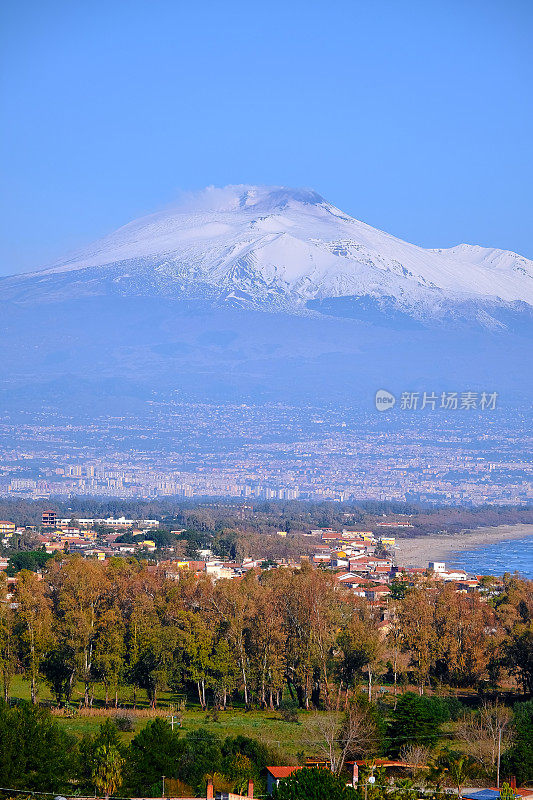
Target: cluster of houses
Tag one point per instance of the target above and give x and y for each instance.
(362, 560)
(80, 536)
(366, 563)
(89, 544)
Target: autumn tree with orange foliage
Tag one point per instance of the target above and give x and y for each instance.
(124, 622)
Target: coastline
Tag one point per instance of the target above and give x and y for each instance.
(417, 552)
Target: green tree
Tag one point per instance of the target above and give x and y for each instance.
(230, 602)
(7, 638)
(35, 753)
(107, 769)
(360, 646)
(79, 589)
(201, 756)
(152, 645)
(520, 655)
(224, 670)
(240, 769)
(34, 626)
(415, 720)
(514, 609)
(398, 589)
(155, 751)
(107, 736)
(313, 784)
(256, 751)
(417, 624)
(460, 768)
(519, 760)
(33, 560)
(266, 642)
(59, 668)
(110, 651)
(198, 652)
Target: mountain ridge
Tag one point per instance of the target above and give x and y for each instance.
(290, 250)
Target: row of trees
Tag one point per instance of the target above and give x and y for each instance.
(272, 515)
(124, 622)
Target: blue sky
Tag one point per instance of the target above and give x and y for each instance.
(413, 116)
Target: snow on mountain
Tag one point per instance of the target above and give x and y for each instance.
(490, 257)
(274, 248)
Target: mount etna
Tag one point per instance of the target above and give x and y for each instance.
(268, 293)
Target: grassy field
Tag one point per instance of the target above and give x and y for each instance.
(288, 738)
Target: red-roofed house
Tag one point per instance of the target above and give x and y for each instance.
(276, 774)
(377, 592)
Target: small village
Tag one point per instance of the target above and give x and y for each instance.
(362, 560)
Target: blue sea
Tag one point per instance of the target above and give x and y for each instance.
(514, 555)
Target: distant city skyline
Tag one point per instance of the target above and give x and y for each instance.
(413, 117)
(272, 452)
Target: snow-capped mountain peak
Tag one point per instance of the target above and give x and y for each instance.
(276, 248)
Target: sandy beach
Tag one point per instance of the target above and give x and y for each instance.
(417, 552)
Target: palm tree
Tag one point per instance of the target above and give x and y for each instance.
(107, 769)
(460, 768)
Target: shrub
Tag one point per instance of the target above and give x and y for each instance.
(125, 723)
(289, 712)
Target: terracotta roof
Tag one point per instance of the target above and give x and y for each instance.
(196, 566)
(282, 772)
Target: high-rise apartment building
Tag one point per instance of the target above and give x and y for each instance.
(49, 518)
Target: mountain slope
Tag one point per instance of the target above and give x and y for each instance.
(251, 293)
(277, 249)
